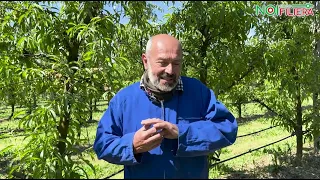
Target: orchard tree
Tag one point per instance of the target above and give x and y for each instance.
(287, 71)
(315, 85)
(77, 53)
(214, 36)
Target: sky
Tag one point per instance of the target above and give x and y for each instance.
(161, 4)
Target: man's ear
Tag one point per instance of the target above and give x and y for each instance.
(144, 61)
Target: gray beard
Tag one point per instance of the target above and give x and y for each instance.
(158, 93)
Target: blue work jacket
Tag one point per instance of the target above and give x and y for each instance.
(205, 125)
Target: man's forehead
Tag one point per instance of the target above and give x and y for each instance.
(169, 57)
(168, 50)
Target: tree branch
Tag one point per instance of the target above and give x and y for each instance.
(235, 82)
(291, 122)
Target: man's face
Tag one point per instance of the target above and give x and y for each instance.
(164, 66)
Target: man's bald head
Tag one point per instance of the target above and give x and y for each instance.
(162, 60)
(162, 39)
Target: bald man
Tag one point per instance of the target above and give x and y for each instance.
(166, 125)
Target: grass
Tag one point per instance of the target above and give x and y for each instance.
(271, 162)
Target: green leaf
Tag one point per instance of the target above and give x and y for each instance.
(72, 24)
(88, 55)
(18, 114)
(37, 6)
(21, 18)
(13, 169)
(75, 67)
(21, 41)
(92, 88)
(4, 150)
(24, 75)
(53, 114)
(70, 31)
(89, 164)
(95, 19)
(41, 154)
(87, 177)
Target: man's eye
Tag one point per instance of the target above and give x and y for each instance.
(163, 63)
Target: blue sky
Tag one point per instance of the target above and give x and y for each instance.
(161, 4)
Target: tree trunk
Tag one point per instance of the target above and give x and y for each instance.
(63, 131)
(64, 122)
(95, 104)
(11, 100)
(72, 46)
(316, 118)
(12, 111)
(299, 134)
(203, 75)
(29, 104)
(203, 53)
(239, 109)
(298, 109)
(34, 100)
(90, 109)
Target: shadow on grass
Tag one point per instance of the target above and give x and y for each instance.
(5, 108)
(5, 161)
(99, 111)
(81, 149)
(4, 165)
(8, 119)
(244, 120)
(90, 123)
(281, 167)
(309, 149)
(9, 107)
(102, 104)
(269, 114)
(231, 173)
(11, 130)
(306, 107)
(308, 169)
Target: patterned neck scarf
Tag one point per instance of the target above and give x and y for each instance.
(154, 91)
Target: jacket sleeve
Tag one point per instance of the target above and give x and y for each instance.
(218, 130)
(110, 144)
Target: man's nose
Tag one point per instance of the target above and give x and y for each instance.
(169, 69)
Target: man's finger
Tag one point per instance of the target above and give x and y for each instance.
(161, 125)
(150, 132)
(151, 121)
(145, 126)
(153, 138)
